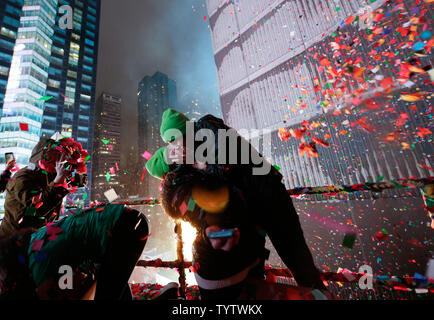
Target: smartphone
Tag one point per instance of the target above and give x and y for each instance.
(225, 233)
(9, 157)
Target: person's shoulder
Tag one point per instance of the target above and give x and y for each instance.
(210, 118)
(210, 121)
(26, 176)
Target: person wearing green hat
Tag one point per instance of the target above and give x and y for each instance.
(265, 195)
(171, 120)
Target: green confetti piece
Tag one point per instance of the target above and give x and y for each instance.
(108, 176)
(191, 205)
(105, 141)
(338, 9)
(349, 240)
(30, 212)
(87, 158)
(277, 167)
(85, 196)
(384, 231)
(398, 186)
(379, 179)
(46, 98)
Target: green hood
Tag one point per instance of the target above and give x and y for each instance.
(172, 119)
(157, 166)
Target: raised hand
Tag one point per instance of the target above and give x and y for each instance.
(61, 172)
(225, 244)
(11, 165)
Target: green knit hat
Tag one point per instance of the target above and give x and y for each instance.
(157, 165)
(172, 119)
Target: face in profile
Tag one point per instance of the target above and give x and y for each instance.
(176, 151)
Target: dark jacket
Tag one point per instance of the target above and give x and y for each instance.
(20, 210)
(4, 179)
(269, 207)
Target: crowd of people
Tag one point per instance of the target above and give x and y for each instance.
(232, 209)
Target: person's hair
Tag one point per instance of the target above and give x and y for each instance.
(178, 185)
(16, 282)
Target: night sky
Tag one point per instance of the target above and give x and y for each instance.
(139, 37)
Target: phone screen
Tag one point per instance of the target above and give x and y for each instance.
(9, 157)
(221, 234)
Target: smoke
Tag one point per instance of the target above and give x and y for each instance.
(139, 37)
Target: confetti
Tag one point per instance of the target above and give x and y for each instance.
(111, 195)
(46, 98)
(37, 244)
(24, 127)
(183, 208)
(147, 155)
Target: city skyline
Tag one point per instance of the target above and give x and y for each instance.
(171, 37)
(107, 146)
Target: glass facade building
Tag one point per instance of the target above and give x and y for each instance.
(156, 94)
(10, 13)
(107, 146)
(51, 83)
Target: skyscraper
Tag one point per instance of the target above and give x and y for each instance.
(155, 95)
(51, 84)
(275, 63)
(107, 148)
(72, 77)
(10, 13)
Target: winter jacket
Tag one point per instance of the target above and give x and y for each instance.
(269, 208)
(22, 210)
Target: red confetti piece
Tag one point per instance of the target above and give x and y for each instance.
(144, 238)
(425, 166)
(24, 127)
(423, 132)
(320, 142)
(37, 245)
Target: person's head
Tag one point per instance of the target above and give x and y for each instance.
(176, 150)
(173, 130)
(188, 194)
(173, 125)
